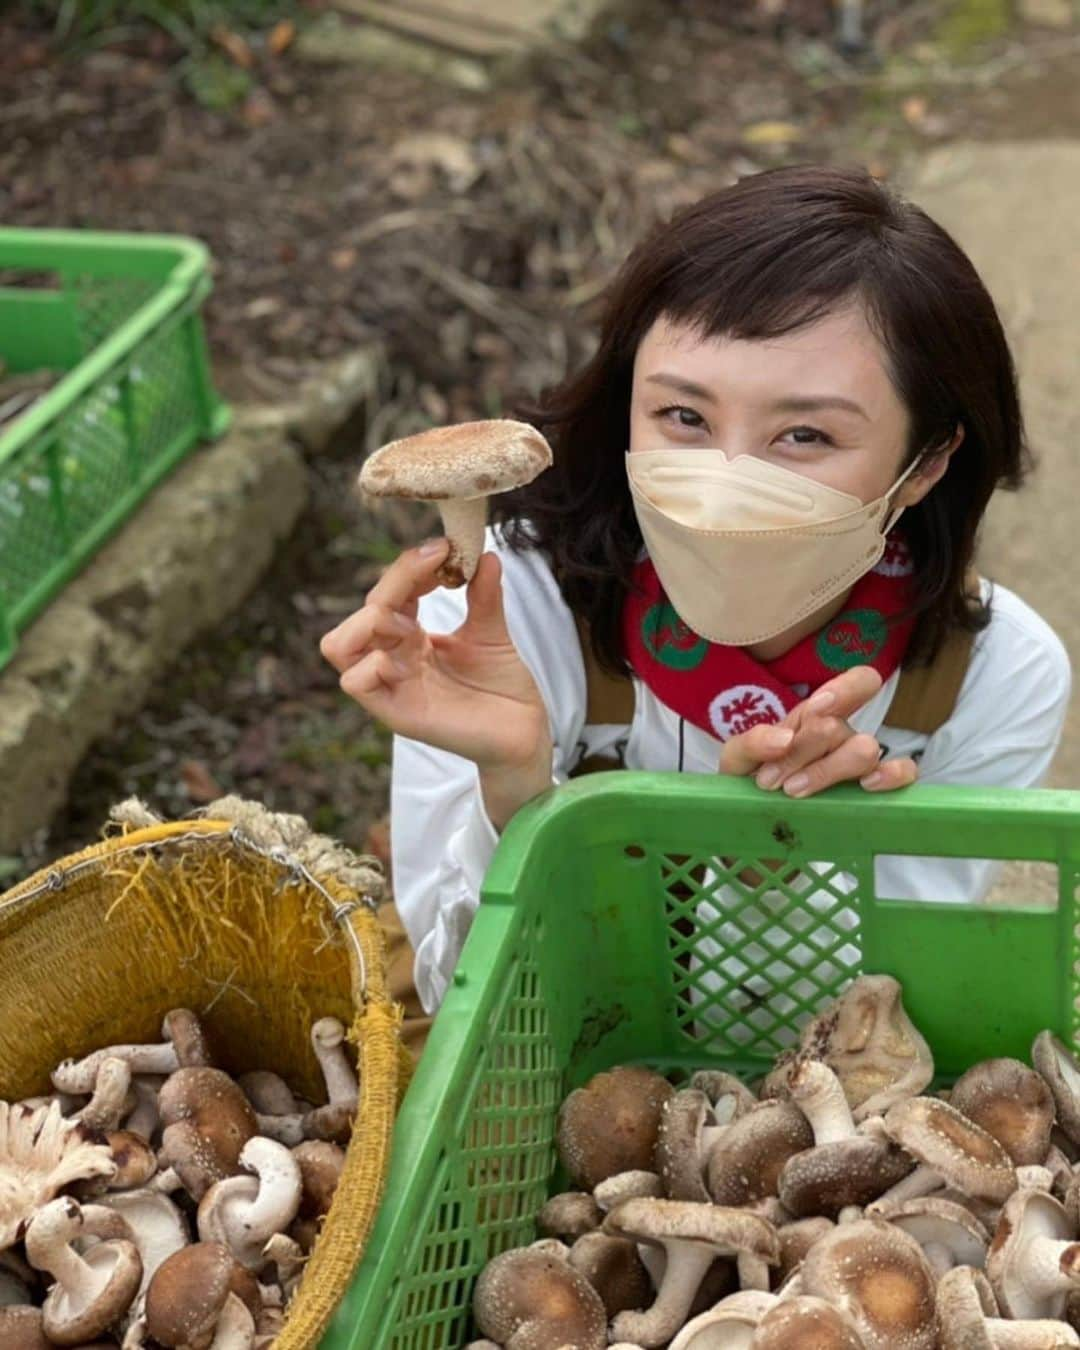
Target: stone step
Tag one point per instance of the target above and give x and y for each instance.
(449, 25)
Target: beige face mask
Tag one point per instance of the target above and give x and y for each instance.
(746, 549)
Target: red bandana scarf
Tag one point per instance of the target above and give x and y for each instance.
(725, 691)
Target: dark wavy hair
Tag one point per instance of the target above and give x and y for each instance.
(766, 256)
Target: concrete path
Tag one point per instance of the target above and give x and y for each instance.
(1015, 208)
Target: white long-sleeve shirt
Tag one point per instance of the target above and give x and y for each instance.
(1003, 732)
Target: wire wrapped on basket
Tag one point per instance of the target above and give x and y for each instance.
(255, 922)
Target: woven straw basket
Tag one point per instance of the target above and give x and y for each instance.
(254, 923)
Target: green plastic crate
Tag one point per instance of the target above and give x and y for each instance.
(119, 315)
(589, 950)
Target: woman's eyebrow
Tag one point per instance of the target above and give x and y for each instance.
(683, 386)
(811, 404)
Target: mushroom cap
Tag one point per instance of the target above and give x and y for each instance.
(828, 1178)
(868, 1040)
(245, 1211)
(332, 1122)
(610, 1125)
(522, 1287)
(267, 1092)
(188, 1292)
(570, 1214)
(320, 1164)
(1058, 1066)
(728, 1095)
(40, 1154)
(21, 1329)
(184, 1029)
(1026, 1216)
(730, 1323)
(879, 1276)
(728, 1230)
(158, 1227)
(679, 1158)
(746, 1163)
(468, 460)
(956, 1148)
(108, 1273)
(796, 1239)
(806, 1323)
(964, 1302)
(1011, 1102)
(207, 1121)
(614, 1269)
(135, 1160)
(622, 1186)
(931, 1220)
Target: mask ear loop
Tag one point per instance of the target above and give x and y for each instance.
(915, 464)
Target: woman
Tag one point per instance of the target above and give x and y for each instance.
(818, 401)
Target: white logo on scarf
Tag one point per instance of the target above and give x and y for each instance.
(896, 561)
(743, 706)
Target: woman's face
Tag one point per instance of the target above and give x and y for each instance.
(818, 401)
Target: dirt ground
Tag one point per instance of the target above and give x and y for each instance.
(472, 233)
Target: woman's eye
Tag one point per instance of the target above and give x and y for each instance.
(686, 417)
(807, 436)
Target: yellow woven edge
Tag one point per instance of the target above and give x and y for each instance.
(344, 1234)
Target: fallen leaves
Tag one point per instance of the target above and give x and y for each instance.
(772, 135)
(199, 783)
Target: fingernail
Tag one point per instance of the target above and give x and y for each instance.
(431, 547)
(825, 698)
(769, 777)
(403, 623)
(872, 780)
(779, 738)
(797, 785)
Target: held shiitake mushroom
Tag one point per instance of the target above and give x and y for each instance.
(458, 468)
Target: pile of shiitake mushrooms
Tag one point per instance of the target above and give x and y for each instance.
(154, 1201)
(842, 1207)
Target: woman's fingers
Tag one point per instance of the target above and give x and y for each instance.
(410, 576)
(377, 672)
(891, 774)
(845, 694)
(855, 759)
(816, 737)
(373, 627)
(743, 755)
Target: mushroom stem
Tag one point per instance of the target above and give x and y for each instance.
(463, 522)
(80, 1075)
(328, 1042)
(144, 1118)
(753, 1271)
(685, 1269)
(710, 1137)
(105, 1109)
(818, 1093)
(287, 1130)
(1036, 1334)
(923, 1181)
(48, 1246)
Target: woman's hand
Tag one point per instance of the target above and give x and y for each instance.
(468, 692)
(815, 747)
